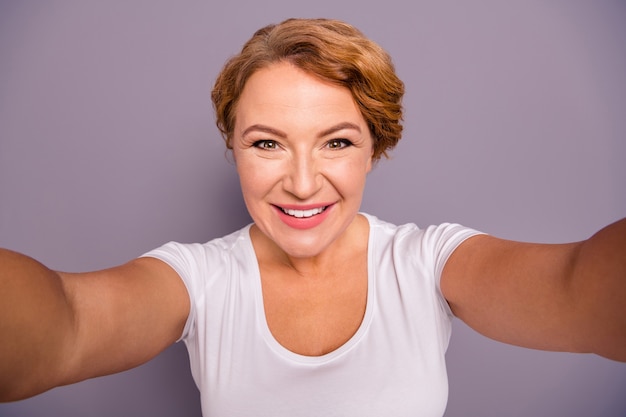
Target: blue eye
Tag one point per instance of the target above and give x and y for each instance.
(265, 144)
(338, 143)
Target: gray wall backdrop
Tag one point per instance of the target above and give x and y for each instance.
(514, 125)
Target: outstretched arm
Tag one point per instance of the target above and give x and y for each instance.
(58, 328)
(569, 297)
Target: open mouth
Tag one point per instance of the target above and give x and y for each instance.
(300, 214)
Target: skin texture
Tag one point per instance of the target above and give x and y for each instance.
(300, 143)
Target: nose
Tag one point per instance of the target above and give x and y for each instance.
(303, 179)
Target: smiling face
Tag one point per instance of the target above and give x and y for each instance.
(303, 151)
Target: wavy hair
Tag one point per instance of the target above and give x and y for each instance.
(335, 52)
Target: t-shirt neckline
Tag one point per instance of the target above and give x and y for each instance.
(280, 350)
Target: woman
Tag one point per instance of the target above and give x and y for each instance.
(315, 307)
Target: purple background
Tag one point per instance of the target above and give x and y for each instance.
(514, 125)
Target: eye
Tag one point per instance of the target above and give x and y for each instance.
(265, 144)
(338, 143)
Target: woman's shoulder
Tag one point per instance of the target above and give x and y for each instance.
(213, 252)
(436, 236)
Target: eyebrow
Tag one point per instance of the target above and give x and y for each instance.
(264, 129)
(338, 127)
(281, 134)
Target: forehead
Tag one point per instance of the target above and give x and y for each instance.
(282, 91)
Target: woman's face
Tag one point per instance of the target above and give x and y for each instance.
(303, 151)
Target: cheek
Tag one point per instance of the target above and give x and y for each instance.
(349, 175)
(256, 178)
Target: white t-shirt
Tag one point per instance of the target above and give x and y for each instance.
(392, 366)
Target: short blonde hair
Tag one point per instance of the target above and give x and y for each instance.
(335, 52)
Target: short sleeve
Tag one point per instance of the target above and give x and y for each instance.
(441, 241)
(183, 258)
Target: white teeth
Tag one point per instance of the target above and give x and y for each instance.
(304, 213)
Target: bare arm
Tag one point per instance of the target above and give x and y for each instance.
(59, 328)
(569, 297)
